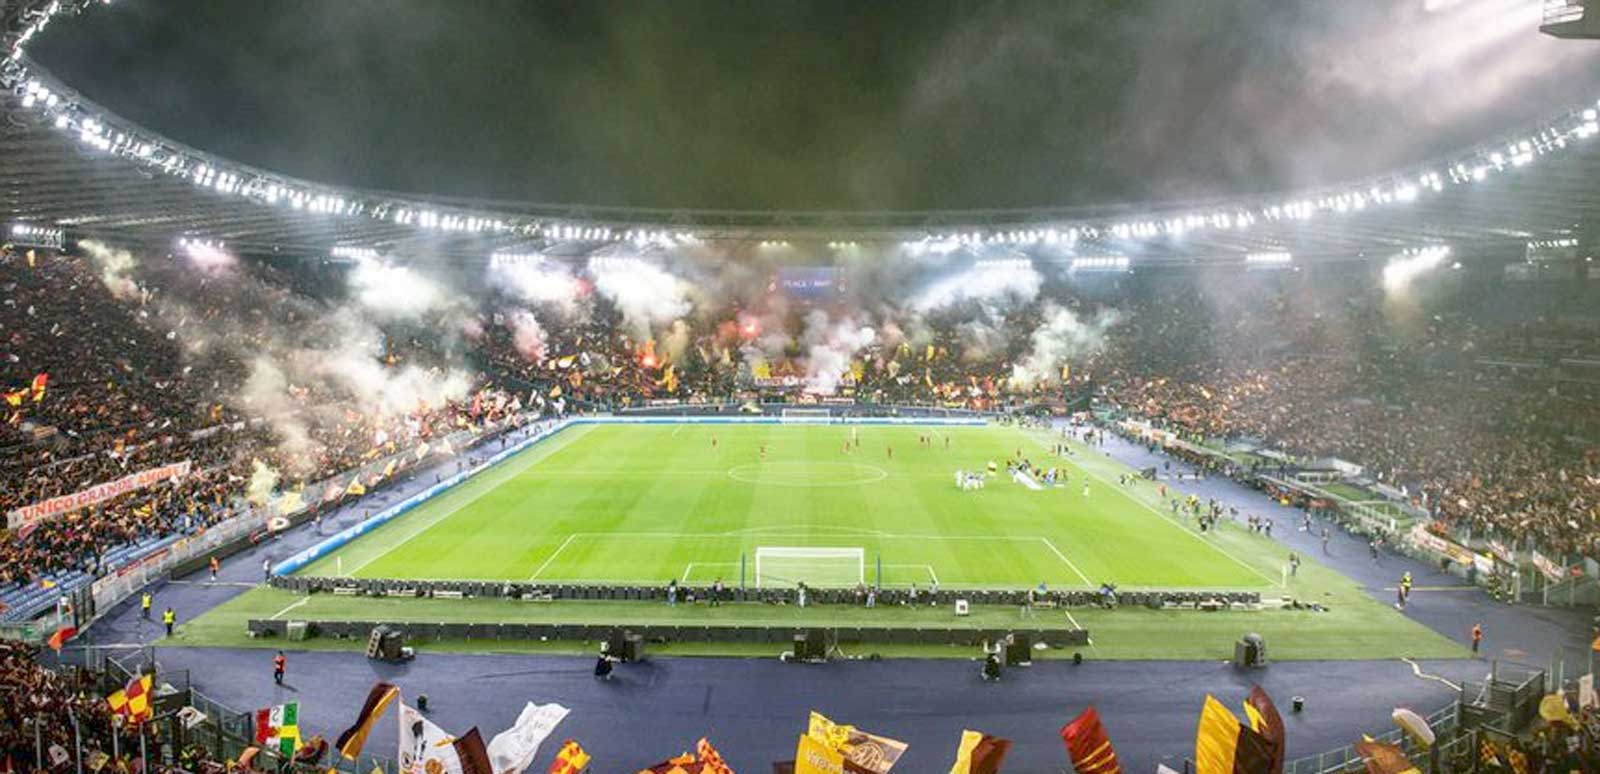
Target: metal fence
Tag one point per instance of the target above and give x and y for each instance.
(1444, 723)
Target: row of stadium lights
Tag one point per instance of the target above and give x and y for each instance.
(93, 132)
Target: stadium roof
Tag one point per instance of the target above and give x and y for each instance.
(67, 162)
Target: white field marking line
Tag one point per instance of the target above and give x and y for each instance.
(1416, 669)
(426, 525)
(552, 556)
(887, 535)
(1169, 520)
(825, 530)
(279, 614)
(692, 565)
(931, 574)
(676, 429)
(1079, 626)
(1063, 557)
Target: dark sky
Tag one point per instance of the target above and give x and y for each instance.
(850, 104)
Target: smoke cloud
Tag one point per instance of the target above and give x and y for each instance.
(1060, 339)
(394, 291)
(830, 345)
(116, 268)
(527, 335)
(646, 294)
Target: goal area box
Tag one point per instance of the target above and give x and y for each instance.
(789, 566)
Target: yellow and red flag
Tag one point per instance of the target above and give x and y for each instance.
(133, 702)
(1088, 745)
(570, 760)
(711, 761)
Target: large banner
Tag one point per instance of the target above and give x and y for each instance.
(1552, 571)
(57, 506)
(1461, 554)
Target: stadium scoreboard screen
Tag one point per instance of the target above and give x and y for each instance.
(808, 282)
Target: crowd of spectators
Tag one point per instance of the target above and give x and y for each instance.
(149, 369)
(1485, 414)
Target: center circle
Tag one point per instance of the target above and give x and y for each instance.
(807, 474)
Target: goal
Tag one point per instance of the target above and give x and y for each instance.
(781, 566)
(805, 415)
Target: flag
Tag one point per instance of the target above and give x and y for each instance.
(39, 383)
(133, 701)
(388, 470)
(278, 728)
(1415, 726)
(980, 753)
(1265, 720)
(426, 749)
(15, 398)
(570, 760)
(711, 761)
(555, 392)
(682, 764)
(513, 749)
(61, 636)
(1223, 745)
(863, 751)
(355, 737)
(1384, 758)
(46, 583)
(1088, 746)
(355, 489)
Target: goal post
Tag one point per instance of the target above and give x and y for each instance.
(804, 415)
(818, 567)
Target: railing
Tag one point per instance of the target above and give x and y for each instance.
(1444, 723)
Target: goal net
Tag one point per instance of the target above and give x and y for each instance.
(781, 566)
(805, 414)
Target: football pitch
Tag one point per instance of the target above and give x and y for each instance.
(828, 505)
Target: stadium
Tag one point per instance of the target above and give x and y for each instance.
(1040, 387)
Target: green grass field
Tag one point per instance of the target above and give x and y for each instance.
(642, 504)
(645, 504)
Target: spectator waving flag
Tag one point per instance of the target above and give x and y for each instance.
(1223, 745)
(1265, 720)
(980, 753)
(1088, 745)
(512, 750)
(711, 761)
(354, 738)
(278, 728)
(39, 383)
(133, 702)
(570, 760)
(427, 749)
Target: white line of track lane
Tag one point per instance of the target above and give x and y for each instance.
(1162, 516)
(425, 523)
(552, 557)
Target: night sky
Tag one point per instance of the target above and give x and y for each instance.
(865, 104)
